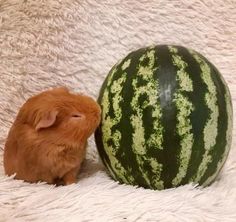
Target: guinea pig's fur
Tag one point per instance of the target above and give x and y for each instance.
(47, 141)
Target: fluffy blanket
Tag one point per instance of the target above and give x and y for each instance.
(46, 43)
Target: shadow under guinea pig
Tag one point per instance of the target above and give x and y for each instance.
(89, 168)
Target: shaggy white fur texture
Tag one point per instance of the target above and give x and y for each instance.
(46, 43)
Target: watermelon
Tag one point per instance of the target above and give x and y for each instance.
(166, 119)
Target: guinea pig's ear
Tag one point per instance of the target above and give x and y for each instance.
(46, 119)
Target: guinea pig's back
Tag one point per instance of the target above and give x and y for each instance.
(10, 153)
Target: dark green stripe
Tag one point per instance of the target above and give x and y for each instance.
(166, 75)
(101, 151)
(218, 151)
(125, 154)
(199, 116)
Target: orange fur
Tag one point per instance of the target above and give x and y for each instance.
(47, 141)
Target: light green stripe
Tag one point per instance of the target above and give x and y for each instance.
(210, 129)
(108, 123)
(150, 89)
(105, 109)
(228, 138)
(106, 130)
(184, 109)
(126, 64)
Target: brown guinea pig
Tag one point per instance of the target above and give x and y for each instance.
(47, 141)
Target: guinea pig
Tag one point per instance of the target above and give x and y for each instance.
(47, 141)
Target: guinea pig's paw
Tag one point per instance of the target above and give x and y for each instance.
(59, 182)
(69, 181)
(70, 177)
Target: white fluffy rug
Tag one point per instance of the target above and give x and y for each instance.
(44, 43)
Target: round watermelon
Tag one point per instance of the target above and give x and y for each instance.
(166, 119)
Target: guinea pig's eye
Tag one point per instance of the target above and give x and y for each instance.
(77, 116)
